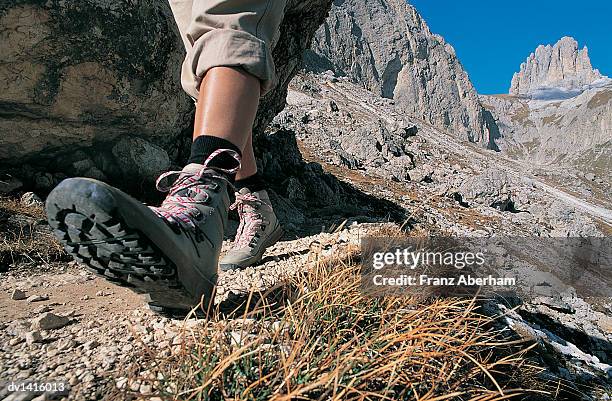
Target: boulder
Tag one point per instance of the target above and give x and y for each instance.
(49, 321)
(92, 88)
(141, 157)
(491, 188)
(18, 295)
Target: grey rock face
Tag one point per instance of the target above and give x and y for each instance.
(78, 76)
(558, 119)
(562, 65)
(350, 139)
(77, 73)
(388, 48)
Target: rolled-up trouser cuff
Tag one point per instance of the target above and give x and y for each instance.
(228, 48)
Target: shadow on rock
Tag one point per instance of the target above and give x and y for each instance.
(307, 199)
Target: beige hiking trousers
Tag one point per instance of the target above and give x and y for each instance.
(229, 33)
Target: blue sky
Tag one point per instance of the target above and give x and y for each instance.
(493, 38)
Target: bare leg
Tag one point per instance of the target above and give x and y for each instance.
(249, 165)
(227, 105)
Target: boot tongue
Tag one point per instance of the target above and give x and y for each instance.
(247, 205)
(193, 168)
(244, 191)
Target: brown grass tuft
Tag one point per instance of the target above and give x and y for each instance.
(328, 341)
(25, 237)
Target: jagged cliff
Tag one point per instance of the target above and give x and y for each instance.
(561, 65)
(387, 47)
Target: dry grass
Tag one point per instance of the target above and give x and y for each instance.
(24, 236)
(328, 341)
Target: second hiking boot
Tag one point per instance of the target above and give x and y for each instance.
(258, 230)
(169, 252)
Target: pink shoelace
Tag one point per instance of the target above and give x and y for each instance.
(250, 220)
(188, 189)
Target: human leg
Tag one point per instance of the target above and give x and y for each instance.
(171, 252)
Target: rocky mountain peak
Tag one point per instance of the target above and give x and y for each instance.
(562, 65)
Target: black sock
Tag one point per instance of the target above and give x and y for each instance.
(254, 183)
(205, 145)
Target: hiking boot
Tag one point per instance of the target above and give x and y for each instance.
(169, 252)
(258, 230)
